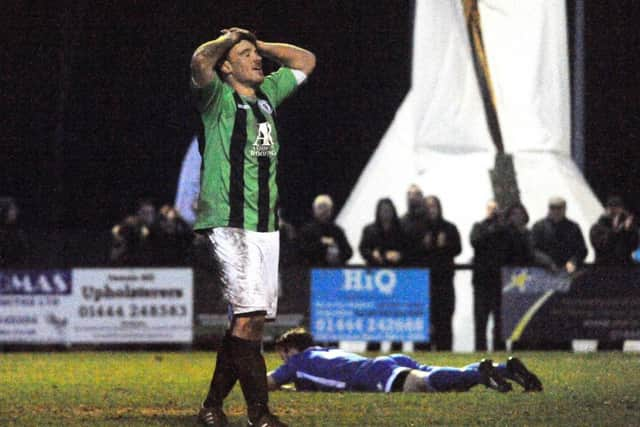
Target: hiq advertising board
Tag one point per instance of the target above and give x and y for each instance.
(359, 304)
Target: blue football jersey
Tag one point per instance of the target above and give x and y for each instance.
(328, 369)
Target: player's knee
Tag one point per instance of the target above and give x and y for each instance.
(249, 327)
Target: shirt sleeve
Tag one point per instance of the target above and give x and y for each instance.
(208, 96)
(284, 374)
(279, 85)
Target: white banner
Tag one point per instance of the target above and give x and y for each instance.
(132, 306)
(35, 306)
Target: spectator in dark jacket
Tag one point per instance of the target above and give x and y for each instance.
(615, 236)
(128, 244)
(522, 250)
(439, 245)
(560, 238)
(171, 239)
(13, 242)
(414, 225)
(322, 242)
(492, 245)
(383, 242)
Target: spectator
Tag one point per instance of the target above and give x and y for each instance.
(293, 295)
(522, 251)
(289, 251)
(171, 239)
(615, 235)
(128, 244)
(13, 242)
(559, 238)
(491, 241)
(383, 242)
(147, 213)
(521, 240)
(323, 243)
(414, 224)
(440, 244)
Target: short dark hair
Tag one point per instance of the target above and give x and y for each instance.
(298, 338)
(250, 37)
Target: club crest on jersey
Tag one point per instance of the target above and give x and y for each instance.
(264, 106)
(263, 145)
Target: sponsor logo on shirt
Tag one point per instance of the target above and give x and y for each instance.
(264, 106)
(263, 146)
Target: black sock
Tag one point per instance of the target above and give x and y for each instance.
(252, 374)
(224, 375)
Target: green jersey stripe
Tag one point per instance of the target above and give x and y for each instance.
(236, 176)
(264, 166)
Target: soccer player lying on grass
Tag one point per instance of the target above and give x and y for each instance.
(325, 369)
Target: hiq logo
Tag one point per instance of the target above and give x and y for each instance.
(384, 281)
(49, 282)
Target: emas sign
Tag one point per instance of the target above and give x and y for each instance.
(37, 282)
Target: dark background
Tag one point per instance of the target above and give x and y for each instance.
(97, 112)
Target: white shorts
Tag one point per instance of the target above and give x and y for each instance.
(249, 264)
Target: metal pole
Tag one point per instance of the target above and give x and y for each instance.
(578, 95)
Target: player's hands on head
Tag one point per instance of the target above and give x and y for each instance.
(235, 33)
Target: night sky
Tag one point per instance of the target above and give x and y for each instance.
(97, 112)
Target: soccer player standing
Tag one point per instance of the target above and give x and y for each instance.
(238, 196)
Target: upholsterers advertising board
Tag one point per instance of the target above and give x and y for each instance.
(132, 306)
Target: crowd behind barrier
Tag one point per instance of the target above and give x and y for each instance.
(421, 237)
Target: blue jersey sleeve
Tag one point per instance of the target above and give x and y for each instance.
(284, 374)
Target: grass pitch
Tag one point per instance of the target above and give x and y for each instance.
(165, 389)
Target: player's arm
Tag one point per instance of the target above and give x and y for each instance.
(273, 385)
(290, 56)
(207, 55)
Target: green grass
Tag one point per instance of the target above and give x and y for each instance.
(158, 389)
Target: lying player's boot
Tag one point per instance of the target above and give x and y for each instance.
(490, 378)
(212, 417)
(520, 374)
(267, 420)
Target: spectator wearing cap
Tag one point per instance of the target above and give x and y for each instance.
(559, 238)
(322, 242)
(615, 235)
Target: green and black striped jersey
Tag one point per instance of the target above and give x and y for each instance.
(240, 155)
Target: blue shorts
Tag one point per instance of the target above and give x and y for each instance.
(377, 375)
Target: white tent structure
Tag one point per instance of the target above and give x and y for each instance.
(439, 138)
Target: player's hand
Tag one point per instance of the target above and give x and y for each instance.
(376, 255)
(235, 33)
(442, 240)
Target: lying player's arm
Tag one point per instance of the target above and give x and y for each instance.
(272, 385)
(290, 56)
(206, 56)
